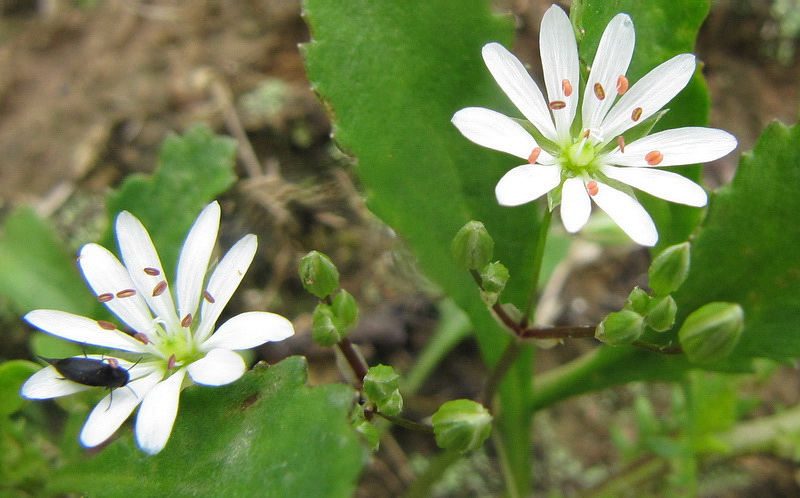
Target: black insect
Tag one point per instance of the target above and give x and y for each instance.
(91, 371)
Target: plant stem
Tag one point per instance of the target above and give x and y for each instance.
(659, 348)
(565, 332)
(499, 371)
(404, 422)
(355, 360)
(538, 256)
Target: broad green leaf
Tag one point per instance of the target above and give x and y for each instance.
(393, 74)
(664, 28)
(192, 170)
(12, 375)
(36, 269)
(269, 434)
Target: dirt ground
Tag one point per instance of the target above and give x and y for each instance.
(88, 91)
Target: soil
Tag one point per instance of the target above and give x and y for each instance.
(88, 91)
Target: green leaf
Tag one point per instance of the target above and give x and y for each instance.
(267, 435)
(664, 28)
(36, 269)
(193, 170)
(393, 74)
(12, 375)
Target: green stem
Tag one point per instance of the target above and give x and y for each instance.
(565, 332)
(404, 422)
(659, 348)
(499, 371)
(538, 256)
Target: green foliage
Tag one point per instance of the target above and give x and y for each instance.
(267, 434)
(192, 170)
(12, 375)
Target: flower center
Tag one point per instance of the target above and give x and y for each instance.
(579, 158)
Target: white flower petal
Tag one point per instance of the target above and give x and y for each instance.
(627, 213)
(219, 367)
(690, 145)
(559, 53)
(48, 383)
(249, 330)
(494, 130)
(223, 283)
(82, 330)
(650, 94)
(610, 62)
(194, 259)
(515, 81)
(664, 184)
(114, 409)
(157, 413)
(575, 204)
(526, 183)
(140, 257)
(106, 276)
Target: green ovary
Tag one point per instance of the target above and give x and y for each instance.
(579, 159)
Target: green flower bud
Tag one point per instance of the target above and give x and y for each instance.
(392, 405)
(670, 269)
(326, 329)
(472, 246)
(368, 431)
(638, 301)
(711, 332)
(661, 316)
(493, 280)
(345, 308)
(380, 382)
(461, 425)
(318, 274)
(620, 327)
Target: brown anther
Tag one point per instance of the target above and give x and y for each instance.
(126, 293)
(112, 362)
(534, 155)
(557, 104)
(171, 362)
(587, 134)
(654, 158)
(566, 86)
(159, 288)
(622, 84)
(153, 272)
(599, 92)
(636, 114)
(621, 143)
(141, 338)
(106, 325)
(208, 297)
(105, 297)
(187, 320)
(592, 188)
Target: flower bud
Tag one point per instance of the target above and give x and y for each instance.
(318, 274)
(711, 332)
(620, 327)
(326, 329)
(345, 308)
(472, 246)
(670, 268)
(493, 280)
(461, 425)
(661, 316)
(380, 382)
(638, 301)
(392, 405)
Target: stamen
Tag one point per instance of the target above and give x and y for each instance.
(159, 288)
(557, 104)
(621, 143)
(592, 188)
(622, 84)
(587, 133)
(141, 338)
(636, 114)
(153, 272)
(654, 158)
(531, 159)
(187, 320)
(171, 362)
(566, 86)
(106, 297)
(126, 293)
(112, 362)
(208, 297)
(106, 325)
(599, 92)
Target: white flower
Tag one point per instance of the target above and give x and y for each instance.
(169, 338)
(590, 159)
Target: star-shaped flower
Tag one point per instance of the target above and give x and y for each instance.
(168, 338)
(579, 160)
